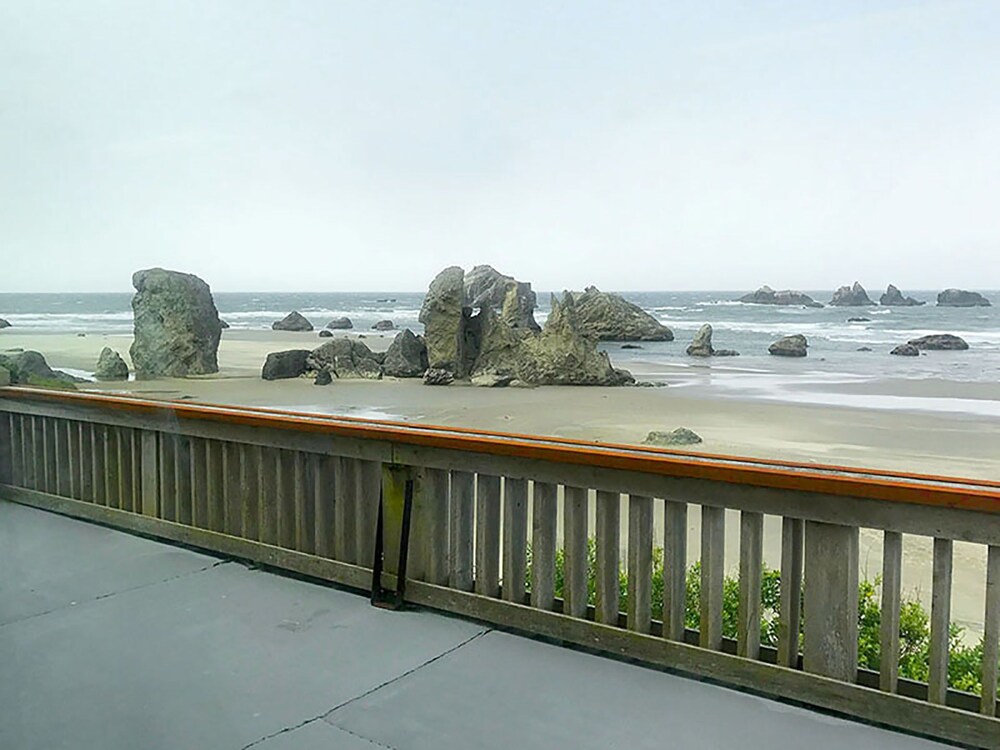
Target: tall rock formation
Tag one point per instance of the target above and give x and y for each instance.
(487, 287)
(851, 296)
(961, 298)
(767, 296)
(894, 298)
(177, 327)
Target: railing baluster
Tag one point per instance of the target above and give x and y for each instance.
(286, 499)
(831, 601)
(112, 468)
(135, 444)
(713, 557)
(751, 564)
(268, 496)
(149, 464)
(430, 517)
(892, 566)
(323, 481)
(367, 487)
(488, 535)
(49, 454)
(124, 447)
(232, 489)
(73, 457)
(937, 682)
(575, 551)
(184, 495)
(168, 477)
(640, 563)
(86, 460)
(199, 483)
(60, 434)
(100, 464)
(515, 535)
(304, 512)
(214, 490)
(991, 633)
(17, 448)
(543, 545)
(462, 531)
(250, 491)
(790, 604)
(6, 449)
(36, 444)
(674, 569)
(608, 566)
(344, 548)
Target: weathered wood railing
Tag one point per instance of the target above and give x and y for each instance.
(301, 492)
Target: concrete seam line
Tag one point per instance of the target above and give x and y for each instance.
(324, 716)
(112, 594)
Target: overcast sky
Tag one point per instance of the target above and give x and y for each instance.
(363, 146)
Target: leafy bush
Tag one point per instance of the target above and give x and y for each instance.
(964, 665)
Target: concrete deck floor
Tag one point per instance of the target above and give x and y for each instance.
(113, 641)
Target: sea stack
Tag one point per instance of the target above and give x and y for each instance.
(610, 317)
(177, 327)
(894, 298)
(851, 296)
(786, 297)
(961, 298)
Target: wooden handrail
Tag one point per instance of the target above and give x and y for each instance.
(916, 489)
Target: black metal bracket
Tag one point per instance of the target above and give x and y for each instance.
(381, 597)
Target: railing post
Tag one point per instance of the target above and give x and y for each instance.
(149, 457)
(831, 601)
(429, 534)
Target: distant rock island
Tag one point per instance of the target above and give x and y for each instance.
(894, 298)
(961, 298)
(610, 317)
(767, 296)
(851, 296)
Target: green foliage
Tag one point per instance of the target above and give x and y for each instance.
(964, 665)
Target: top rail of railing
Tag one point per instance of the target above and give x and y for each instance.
(898, 487)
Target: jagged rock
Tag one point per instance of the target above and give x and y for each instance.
(851, 296)
(701, 345)
(384, 325)
(325, 334)
(906, 350)
(961, 298)
(436, 376)
(515, 301)
(345, 358)
(559, 355)
(492, 380)
(177, 328)
(859, 320)
(767, 296)
(286, 364)
(894, 298)
(790, 346)
(340, 324)
(940, 342)
(30, 368)
(406, 357)
(110, 365)
(4, 377)
(680, 436)
(609, 317)
(323, 377)
(4, 323)
(294, 321)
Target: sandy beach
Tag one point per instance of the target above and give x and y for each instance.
(910, 439)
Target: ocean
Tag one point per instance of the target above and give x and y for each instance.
(833, 355)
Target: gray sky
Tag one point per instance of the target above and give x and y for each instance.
(363, 146)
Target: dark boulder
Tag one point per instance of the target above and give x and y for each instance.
(177, 327)
(786, 297)
(406, 357)
(345, 358)
(906, 350)
(340, 324)
(701, 345)
(325, 334)
(30, 368)
(323, 377)
(961, 298)
(859, 320)
(294, 321)
(436, 376)
(680, 436)
(223, 324)
(384, 325)
(286, 364)
(110, 366)
(790, 346)
(864, 349)
(851, 296)
(894, 298)
(940, 342)
(4, 323)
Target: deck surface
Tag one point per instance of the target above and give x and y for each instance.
(113, 641)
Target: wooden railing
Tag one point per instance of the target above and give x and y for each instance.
(495, 516)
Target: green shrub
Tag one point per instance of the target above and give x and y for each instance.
(964, 665)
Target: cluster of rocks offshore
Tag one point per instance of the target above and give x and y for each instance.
(855, 295)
